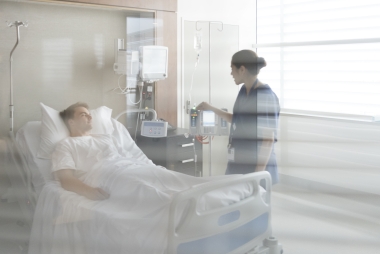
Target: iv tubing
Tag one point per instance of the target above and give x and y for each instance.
(209, 68)
(138, 111)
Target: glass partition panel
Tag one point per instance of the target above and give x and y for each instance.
(210, 80)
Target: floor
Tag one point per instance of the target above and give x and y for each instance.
(313, 223)
(362, 179)
(304, 222)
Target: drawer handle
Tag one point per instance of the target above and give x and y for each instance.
(187, 145)
(186, 161)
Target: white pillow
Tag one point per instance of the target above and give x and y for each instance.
(53, 129)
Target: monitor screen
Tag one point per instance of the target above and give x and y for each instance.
(154, 60)
(208, 118)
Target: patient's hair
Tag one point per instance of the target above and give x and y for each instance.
(249, 60)
(69, 112)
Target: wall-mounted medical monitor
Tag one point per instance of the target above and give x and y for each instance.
(154, 63)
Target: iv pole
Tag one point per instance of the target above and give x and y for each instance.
(9, 195)
(17, 24)
(209, 72)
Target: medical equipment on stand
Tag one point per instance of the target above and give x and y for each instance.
(198, 48)
(207, 123)
(154, 63)
(198, 42)
(149, 64)
(152, 129)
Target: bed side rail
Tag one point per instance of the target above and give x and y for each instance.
(253, 212)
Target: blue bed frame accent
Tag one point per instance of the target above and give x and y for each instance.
(227, 241)
(228, 218)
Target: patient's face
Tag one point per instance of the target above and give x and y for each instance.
(82, 120)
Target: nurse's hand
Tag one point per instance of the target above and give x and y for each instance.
(204, 106)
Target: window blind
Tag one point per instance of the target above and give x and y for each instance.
(322, 55)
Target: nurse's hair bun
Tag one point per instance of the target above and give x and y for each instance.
(261, 62)
(249, 60)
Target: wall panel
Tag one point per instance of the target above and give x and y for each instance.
(166, 90)
(65, 55)
(162, 5)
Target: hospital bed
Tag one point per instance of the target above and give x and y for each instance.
(238, 227)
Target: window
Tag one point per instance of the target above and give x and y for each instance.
(322, 55)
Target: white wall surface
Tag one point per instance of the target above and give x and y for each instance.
(65, 55)
(237, 12)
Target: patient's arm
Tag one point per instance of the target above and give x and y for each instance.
(70, 183)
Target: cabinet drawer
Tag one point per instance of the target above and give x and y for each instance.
(180, 160)
(181, 144)
(154, 149)
(174, 152)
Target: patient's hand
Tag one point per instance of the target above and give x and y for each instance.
(70, 183)
(99, 194)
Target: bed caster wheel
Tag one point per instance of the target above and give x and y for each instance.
(273, 246)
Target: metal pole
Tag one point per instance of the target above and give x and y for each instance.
(209, 71)
(17, 24)
(209, 95)
(11, 106)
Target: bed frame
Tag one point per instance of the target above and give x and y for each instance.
(20, 177)
(243, 227)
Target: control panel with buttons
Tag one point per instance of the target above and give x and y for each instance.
(154, 129)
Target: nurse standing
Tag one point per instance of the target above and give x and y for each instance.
(254, 120)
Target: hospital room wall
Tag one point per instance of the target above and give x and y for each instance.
(65, 55)
(239, 34)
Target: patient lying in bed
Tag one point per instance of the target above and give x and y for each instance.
(135, 195)
(83, 163)
(78, 154)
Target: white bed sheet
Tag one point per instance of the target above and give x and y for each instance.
(65, 222)
(28, 141)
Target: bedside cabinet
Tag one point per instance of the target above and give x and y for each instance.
(174, 152)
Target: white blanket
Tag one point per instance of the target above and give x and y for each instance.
(133, 220)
